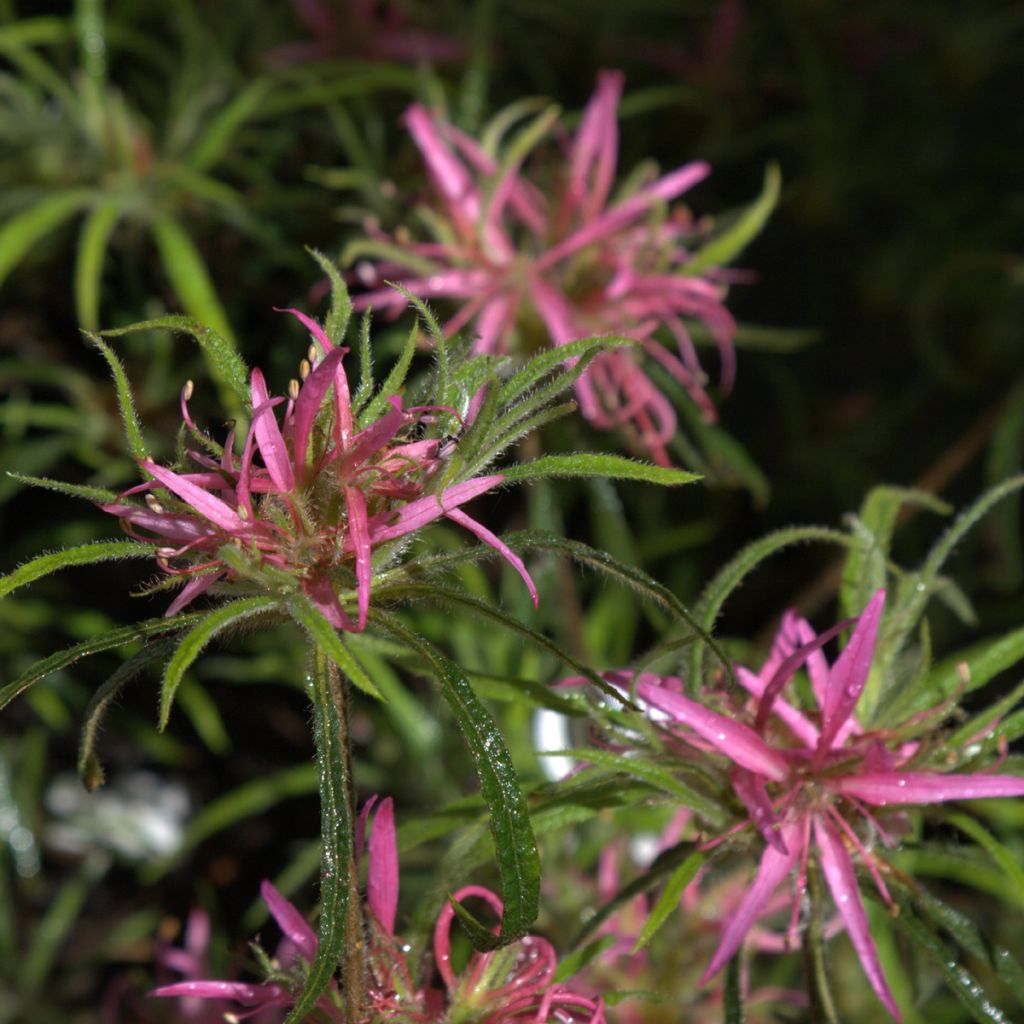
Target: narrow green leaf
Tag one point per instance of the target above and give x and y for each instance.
(442, 394)
(668, 901)
(216, 140)
(22, 231)
(191, 282)
(192, 644)
(393, 382)
(962, 983)
(341, 305)
(727, 579)
(92, 248)
(983, 662)
(125, 399)
(84, 554)
(99, 495)
(614, 467)
(577, 960)
(337, 829)
(654, 775)
(865, 568)
(729, 244)
(732, 997)
(89, 767)
(554, 359)
(105, 642)
(509, 819)
(1004, 858)
(326, 637)
(220, 354)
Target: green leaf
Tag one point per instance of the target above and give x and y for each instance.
(326, 638)
(216, 140)
(22, 231)
(962, 983)
(85, 554)
(98, 495)
(614, 467)
(668, 901)
(724, 248)
(577, 960)
(105, 642)
(1004, 858)
(192, 284)
(337, 829)
(393, 382)
(509, 819)
(983, 662)
(89, 767)
(220, 354)
(125, 399)
(336, 326)
(865, 569)
(192, 644)
(92, 248)
(729, 578)
(553, 359)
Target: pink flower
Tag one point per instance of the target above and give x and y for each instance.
(312, 496)
(513, 985)
(810, 781)
(555, 258)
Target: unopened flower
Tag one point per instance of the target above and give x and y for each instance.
(809, 781)
(314, 493)
(534, 257)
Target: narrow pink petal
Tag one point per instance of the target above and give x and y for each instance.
(554, 310)
(290, 921)
(195, 586)
(443, 927)
(619, 216)
(850, 673)
(736, 740)
(927, 787)
(751, 791)
(268, 436)
(774, 867)
(322, 594)
(842, 881)
(800, 726)
(311, 325)
(375, 437)
(240, 992)
(595, 146)
(382, 867)
(359, 532)
(482, 533)
(425, 510)
(213, 509)
(307, 405)
(450, 176)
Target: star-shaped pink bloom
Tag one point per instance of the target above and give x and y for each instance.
(311, 496)
(538, 259)
(808, 781)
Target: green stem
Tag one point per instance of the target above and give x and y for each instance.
(341, 929)
(822, 1003)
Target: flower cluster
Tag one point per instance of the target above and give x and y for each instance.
(810, 780)
(513, 985)
(310, 498)
(553, 258)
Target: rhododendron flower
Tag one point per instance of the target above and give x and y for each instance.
(311, 497)
(809, 781)
(513, 985)
(533, 260)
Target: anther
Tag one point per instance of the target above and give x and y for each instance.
(311, 354)
(186, 391)
(154, 505)
(293, 389)
(305, 368)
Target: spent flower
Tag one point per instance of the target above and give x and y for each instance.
(535, 256)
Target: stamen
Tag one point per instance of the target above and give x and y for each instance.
(311, 354)
(154, 505)
(305, 367)
(186, 391)
(293, 389)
